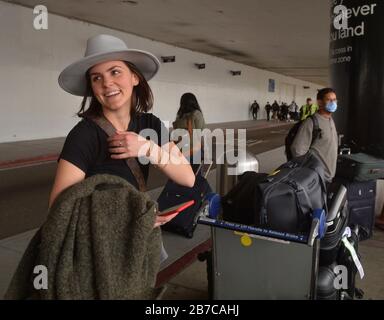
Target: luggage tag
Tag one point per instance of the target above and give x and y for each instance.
(352, 251)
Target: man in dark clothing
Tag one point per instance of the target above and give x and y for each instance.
(275, 109)
(268, 109)
(255, 109)
(284, 112)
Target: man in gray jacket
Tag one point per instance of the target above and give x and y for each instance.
(326, 144)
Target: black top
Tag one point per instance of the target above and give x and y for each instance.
(86, 147)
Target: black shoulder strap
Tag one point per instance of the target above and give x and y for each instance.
(132, 163)
(316, 133)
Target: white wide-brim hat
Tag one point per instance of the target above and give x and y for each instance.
(102, 48)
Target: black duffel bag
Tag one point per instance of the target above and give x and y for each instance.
(283, 201)
(242, 204)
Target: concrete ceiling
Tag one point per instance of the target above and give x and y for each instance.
(285, 36)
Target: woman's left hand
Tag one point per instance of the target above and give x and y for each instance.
(161, 220)
(127, 144)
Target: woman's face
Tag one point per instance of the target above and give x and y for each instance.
(112, 84)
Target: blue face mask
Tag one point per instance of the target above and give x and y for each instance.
(331, 106)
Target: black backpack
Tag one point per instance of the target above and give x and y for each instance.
(293, 132)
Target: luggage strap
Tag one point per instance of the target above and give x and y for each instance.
(132, 163)
(352, 251)
(317, 132)
(204, 169)
(323, 186)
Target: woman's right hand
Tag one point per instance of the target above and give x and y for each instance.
(127, 144)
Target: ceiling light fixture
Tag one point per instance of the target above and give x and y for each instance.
(168, 59)
(200, 65)
(134, 3)
(236, 73)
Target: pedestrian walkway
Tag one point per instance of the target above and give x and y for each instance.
(23, 153)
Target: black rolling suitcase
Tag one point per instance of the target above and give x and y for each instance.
(361, 203)
(361, 198)
(173, 194)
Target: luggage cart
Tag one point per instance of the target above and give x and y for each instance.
(252, 263)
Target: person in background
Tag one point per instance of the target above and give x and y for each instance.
(326, 146)
(308, 109)
(292, 110)
(297, 113)
(284, 111)
(268, 109)
(190, 117)
(275, 110)
(254, 109)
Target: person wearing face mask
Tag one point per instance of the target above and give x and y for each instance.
(326, 145)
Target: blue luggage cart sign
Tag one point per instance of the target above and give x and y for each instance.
(253, 230)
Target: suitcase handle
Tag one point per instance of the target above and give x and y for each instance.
(376, 171)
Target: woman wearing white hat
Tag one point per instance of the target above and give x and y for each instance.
(113, 81)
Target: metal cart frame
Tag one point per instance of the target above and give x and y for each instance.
(252, 263)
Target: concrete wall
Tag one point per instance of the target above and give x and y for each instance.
(33, 106)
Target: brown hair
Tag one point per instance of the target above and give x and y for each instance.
(142, 96)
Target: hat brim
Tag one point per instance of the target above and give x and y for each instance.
(73, 80)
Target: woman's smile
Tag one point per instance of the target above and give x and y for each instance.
(113, 83)
(111, 94)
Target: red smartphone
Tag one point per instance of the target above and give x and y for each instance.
(176, 209)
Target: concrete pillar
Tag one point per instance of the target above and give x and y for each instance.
(357, 70)
(357, 74)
